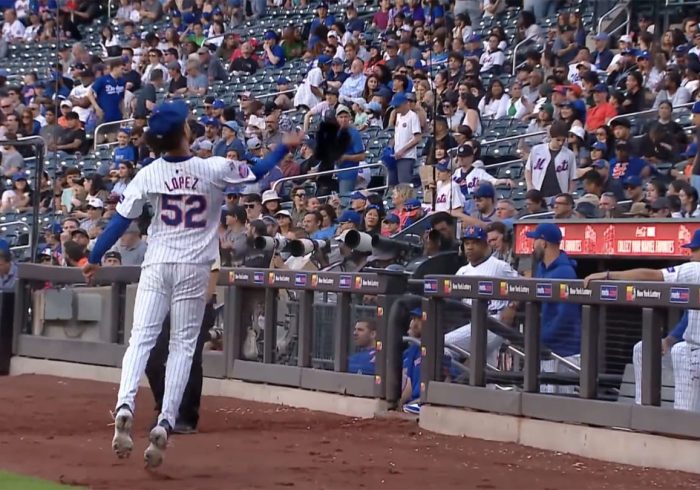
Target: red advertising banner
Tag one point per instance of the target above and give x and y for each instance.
(616, 239)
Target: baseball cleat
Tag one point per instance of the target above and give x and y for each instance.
(155, 452)
(122, 442)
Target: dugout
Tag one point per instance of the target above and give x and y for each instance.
(620, 244)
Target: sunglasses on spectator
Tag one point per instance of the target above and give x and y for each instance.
(249, 206)
(561, 203)
(300, 194)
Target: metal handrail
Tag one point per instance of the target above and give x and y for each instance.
(607, 14)
(648, 111)
(627, 23)
(502, 164)
(550, 213)
(516, 137)
(555, 356)
(264, 96)
(323, 172)
(515, 52)
(103, 125)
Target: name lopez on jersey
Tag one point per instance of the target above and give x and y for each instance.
(182, 182)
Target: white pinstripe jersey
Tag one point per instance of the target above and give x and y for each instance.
(688, 273)
(491, 267)
(186, 197)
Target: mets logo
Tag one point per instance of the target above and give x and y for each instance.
(345, 282)
(430, 286)
(314, 280)
(300, 280)
(243, 171)
(486, 287)
(271, 278)
(543, 290)
(259, 277)
(608, 292)
(679, 295)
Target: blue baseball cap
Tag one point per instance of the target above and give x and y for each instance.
(232, 189)
(218, 104)
(358, 195)
(233, 126)
(412, 204)
(392, 218)
(374, 106)
(19, 176)
(282, 81)
(54, 228)
(383, 92)
(601, 87)
(632, 180)
(485, 190)
(189, 18)
(324, 59)
(350, 216)
(601, 164)
(549, 232)
(474, 233)
(176, 13)
(398, 99)
(417, 312)
(599, 145)
(269, 35)
(695, 242)
(696, 108)
(167, 117)
(602, 36)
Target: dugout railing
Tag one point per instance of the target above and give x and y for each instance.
(585, 407)
(93, 323)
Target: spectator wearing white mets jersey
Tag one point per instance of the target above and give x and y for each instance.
(449, 197)
(685, 355)
(469, 177)
(493, 58)
(185, 193)
(551, 167)
(481, 263)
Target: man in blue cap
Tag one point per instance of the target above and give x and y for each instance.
(274, 54)
(348, 220)
(560, 321)
(358, 201)
(602, 56)
(185, 193)
(481, 263)
(309, 93)
(407, 136)
(685, 355)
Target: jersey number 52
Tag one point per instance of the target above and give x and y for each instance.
(178, 209)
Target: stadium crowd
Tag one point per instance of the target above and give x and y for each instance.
(435, 80)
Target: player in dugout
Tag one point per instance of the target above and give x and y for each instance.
(685, 355)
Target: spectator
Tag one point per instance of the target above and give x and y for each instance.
(354, 154)
(112, 259)
(107, 94)
(130, 246)
(13, 29)
(449, 197)
(551, 167)
(233, 240)
(247, 61)
(8, 271)
(197, 82)
(602, 56)
(274, 54)
(73, 138)
(407, 136)
(563, 206)
(607, 205)
(600, 113)
(211, 66)
(672, 91)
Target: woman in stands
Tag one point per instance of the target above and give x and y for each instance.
(472, 117)
(372, 220)
(96, 187)
(519, 106)
(654, 190)
(440, 85)
(495, 102)
(328, 220)
(604, 134)
(27, 125)
(19, 198)
(171, 39)
(122, 177)
(689, 203)
(569, 114)
(371, 86)
(109, 42)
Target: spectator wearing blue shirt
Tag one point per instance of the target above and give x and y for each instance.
(625, 165)
(322, 19)
(274, 53)
(354, 154)
(230, 141)
(107, 93)
(124, 151)
(364, 335)
(560, 321)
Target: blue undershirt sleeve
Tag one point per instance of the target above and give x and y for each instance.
(680, 327)
(115, 229)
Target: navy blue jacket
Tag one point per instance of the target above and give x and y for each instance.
(560, 321)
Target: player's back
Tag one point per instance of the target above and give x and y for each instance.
(186, 197)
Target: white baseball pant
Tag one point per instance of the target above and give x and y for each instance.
(461, 337)
(637, 364)
(686, 373)
(556, 366)
(180, 289)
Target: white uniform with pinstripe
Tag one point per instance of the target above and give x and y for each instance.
(686, 355)
(182, 246)
(461, 337)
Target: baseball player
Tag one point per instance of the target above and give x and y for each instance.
(188, 416)
(185, 193)
(685, 355)
(482, 263)
(561, 321)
